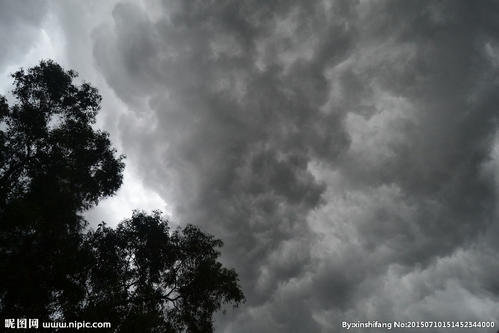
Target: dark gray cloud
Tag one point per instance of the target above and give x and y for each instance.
(259, 107)
(237, 120)
(345, 151)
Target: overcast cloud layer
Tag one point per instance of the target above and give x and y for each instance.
(345, 151)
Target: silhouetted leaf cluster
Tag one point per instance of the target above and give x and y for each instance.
(169, 279)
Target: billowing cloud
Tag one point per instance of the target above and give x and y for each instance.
(345, 151)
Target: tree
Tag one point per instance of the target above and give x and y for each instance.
(53, 166)
(156, 280)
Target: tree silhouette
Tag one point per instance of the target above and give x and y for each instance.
(157, 280)
(53, 166)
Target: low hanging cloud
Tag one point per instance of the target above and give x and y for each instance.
(345, 151)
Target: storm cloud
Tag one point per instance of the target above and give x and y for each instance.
(346, 152)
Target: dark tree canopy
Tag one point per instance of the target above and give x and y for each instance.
(156, 279)
(54, 165)
(48, 138)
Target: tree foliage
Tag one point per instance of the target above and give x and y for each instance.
(54, 165)
(157, 279)
(49, 139)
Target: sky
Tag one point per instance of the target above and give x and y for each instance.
(346, 152)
